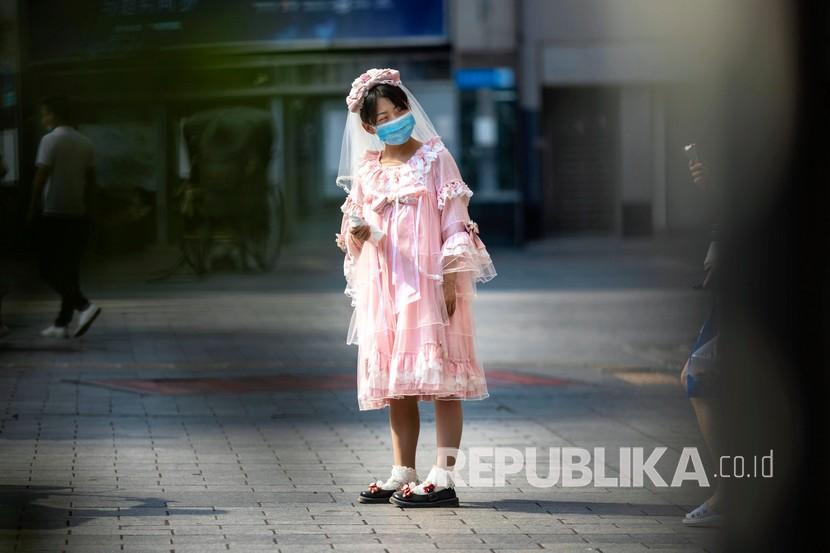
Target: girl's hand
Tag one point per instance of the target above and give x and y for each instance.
(449, 293)
(362, 233)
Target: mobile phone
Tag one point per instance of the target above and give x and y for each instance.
(691, 152)
(356, 221)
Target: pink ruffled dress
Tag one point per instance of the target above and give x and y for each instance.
(408, 345)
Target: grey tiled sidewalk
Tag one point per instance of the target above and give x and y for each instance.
(90, 469)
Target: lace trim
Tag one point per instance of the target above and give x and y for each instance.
(453, 189)
(467, 255)
(340, 240)
(351, 207)
(399, 476)
(438, 479)
(458, 243)
(414, 171)
(455, 380)
(349, 264)
(428, 370)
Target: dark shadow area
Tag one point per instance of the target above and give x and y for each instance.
(29, 508)
(576, 507)
(28, 346)
(774, 289)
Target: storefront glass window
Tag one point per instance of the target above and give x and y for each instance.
(488, 132)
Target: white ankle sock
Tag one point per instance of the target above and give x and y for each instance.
(439, 477)
(399, 476)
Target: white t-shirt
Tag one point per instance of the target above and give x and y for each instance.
(68, 154)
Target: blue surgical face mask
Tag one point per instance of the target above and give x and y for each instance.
(398, 130)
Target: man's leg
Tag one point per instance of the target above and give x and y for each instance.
(50, 237)
(64, 273)
(76, 234)
(88, 311)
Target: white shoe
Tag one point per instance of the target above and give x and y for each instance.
(86, 318)
(703, 516)
(55, 332)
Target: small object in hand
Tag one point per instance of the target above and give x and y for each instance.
(358, 221)
(340, 240)
(696, 166)
(691, 152)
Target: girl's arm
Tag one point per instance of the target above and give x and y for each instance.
(346, 240)
(462, 250)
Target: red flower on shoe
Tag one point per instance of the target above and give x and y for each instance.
(406, 491)
(429, 487)
(374, 488)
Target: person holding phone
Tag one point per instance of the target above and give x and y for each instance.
(413, 259)
(700, 372)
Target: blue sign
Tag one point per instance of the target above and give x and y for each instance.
(94, 28)
(486, 77)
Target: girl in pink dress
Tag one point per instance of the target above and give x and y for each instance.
(412, 261)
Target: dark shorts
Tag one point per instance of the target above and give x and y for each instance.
(701, 368)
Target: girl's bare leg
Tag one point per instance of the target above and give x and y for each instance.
(405, 424)
(449, 419)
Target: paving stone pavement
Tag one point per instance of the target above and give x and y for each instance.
(93, 469)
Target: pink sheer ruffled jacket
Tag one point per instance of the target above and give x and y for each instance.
(408, 345)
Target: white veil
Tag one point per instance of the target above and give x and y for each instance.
(356, 141)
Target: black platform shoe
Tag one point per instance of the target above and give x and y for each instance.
(375, 494)
(378, 492)
(405, 497)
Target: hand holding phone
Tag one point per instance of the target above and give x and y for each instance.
(358, 221)
(691, 152)
(696, 167)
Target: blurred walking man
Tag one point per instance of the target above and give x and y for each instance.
(63, 185)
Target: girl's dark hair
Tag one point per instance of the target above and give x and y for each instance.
(368, 111)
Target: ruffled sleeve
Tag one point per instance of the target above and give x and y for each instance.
(462, 249)
(346, 241)
(352, 206)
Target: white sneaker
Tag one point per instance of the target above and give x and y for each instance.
(703, 516)
(86, 318)
(55, 332)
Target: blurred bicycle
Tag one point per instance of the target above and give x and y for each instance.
(228, 207)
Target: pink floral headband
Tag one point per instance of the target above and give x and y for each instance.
(363, 83)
